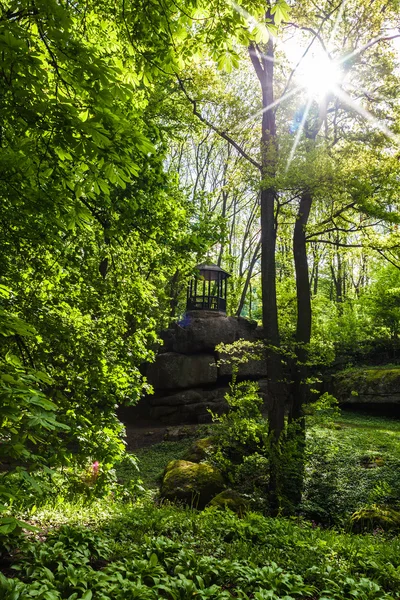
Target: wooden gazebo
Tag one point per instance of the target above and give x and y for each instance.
(207, 290)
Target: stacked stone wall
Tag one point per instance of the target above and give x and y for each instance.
(186, 376)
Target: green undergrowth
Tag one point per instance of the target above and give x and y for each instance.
(371, 374)
(110, 551)
(351, 465)
(119, 548)
(363, 420)
(154, 459)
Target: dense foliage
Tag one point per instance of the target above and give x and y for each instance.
(130, 151)
(92, 232)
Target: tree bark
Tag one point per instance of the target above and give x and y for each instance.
(263, 63)
(303, 328)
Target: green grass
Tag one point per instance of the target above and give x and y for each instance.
(365, 421)
(351, 467)
(338, 479)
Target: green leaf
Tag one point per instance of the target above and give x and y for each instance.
(4, 291)
(7, 525)
(260, 33)
(84, 115)
(153, 560)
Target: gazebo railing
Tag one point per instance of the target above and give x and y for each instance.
(206, 303)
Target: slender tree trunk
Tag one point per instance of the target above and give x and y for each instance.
(248, 279)
(315, 271)
(299, 388)
(262, 60)
(303, 329)
(316, 274)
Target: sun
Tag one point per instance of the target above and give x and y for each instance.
(319, 75)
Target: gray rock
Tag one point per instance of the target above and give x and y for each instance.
(192, 483)
(165, 414)
(372, 385)
(188, 406)
(174, 434)
(202, 333)
(178, 371)
(254, 368)
(178, 399)
(232, 500)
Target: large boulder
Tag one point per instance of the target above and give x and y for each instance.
(232, 500)
(201, 334)
(178, 371)
(175, 434)
(254, 368)
(186, 406)
(194, 484)
(199, 450)
(369, 385)
(177, 399)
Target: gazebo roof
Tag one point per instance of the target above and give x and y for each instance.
(212, 267)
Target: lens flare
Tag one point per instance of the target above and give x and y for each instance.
(319, 75)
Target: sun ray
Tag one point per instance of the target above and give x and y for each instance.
(337, 21)
(273, 104)
(363, 112)
(298, 134)
(356, 51)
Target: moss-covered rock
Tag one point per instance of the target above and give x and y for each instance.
(232, 500)
(192, 483)
(368, 385)
(199, 450)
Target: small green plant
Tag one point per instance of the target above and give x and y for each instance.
(373, 517)
(148, 552)
(242, 431)
(324, 411)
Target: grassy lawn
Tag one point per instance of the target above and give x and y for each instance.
(153, 460)
(347, 468)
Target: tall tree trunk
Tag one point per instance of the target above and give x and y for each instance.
(299, 391)
(263, 63)
(303, 328)
(315, 270)
(316, 274)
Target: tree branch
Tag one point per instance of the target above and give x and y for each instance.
(338, 244)
(256, 62)
(387, 258)
(218, 131)
(337, 213)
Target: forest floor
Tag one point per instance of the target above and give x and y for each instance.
(145, 434)
(133, 548)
